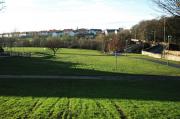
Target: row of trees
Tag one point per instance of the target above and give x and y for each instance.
(102, 42)
(149, 30)
(153, 30)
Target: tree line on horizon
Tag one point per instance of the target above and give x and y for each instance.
(147, 31)
(153, 30)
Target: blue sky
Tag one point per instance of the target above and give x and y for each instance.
(29, 15)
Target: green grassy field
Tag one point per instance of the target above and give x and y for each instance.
(89, 99)
(141, 95)
(81, 62)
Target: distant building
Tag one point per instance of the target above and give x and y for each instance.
(22, 34)
(55, 33)
(43, 33)
(120, 29)
(95, 31)
(85, 33)
(29, 34)
(6, 35)
(82, 31)
(69, 32)
(33, 33)
(110, 31)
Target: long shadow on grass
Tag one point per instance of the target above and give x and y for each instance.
(43, 66)
(162, 90)
(85, 54)
(140, 87)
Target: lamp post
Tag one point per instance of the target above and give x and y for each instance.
(115, 50)
(116, 58)
(164, 29)
(126, 46)
(115, 45)
(164, 36)
(155, 36)
(169, 39)
(153, 32)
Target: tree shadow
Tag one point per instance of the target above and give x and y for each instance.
(44, 66)
(85, 54)
(131, 86)
(44, 55)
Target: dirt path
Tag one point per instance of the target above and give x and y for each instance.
(119, 77)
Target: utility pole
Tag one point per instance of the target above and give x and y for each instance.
(126, 46)
(164, 29)
(116, 59)
(116, 45)
(164, 45)
(168, 51)
(154, 35)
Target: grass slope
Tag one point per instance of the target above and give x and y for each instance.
(81, 62)
(89, 99)
(140, 98)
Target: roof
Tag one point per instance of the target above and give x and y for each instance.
(68, 30)
(111, 30)
(96, 29)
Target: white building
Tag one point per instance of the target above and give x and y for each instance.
(110, 31)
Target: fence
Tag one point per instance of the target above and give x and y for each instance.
(16, 54)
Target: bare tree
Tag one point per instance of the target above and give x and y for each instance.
(54, 44)
(169, 6)
(2, 4)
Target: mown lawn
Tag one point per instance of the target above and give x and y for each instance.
(89, 99)
(147, 90)
(81, 62)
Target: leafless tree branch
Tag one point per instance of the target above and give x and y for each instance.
(2, 5)
(170, 6)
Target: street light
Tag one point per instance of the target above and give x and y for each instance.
(115, 52)
(153, 32)
(116, 58)
(154, 36)
(169, 39)
(164, 29)
(126, 46)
